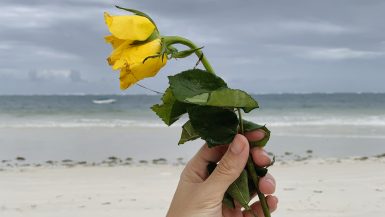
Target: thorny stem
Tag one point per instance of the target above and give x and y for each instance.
(253, 173)
(190, 44)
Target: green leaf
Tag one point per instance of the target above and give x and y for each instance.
(217, 126)
(194, 82)
(200, 99)
(225, 97)
(188, 133)
(239, 190)
(171, 109)
(228, 201)
(250, 126)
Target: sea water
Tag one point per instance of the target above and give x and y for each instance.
(93, 127)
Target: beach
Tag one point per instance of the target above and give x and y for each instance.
(351, 187)
(103, 105)
(69, 156)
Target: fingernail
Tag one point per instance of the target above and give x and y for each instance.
(236, 147)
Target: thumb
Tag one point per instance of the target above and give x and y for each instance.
(229, 167)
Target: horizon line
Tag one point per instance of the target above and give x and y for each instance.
(143, 94)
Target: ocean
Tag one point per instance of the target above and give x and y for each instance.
(94, 127)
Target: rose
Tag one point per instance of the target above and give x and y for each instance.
(140, 52)
(134, 39)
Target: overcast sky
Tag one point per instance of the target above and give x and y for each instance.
(57, 46)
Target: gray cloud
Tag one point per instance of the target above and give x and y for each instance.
(261, 46)
(55, 76)
(75, 76)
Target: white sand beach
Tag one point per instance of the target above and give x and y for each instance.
(317, 187)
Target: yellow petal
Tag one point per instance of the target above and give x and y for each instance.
(107, 18)
(152, 65)
(129, 55)
(117, 53)
(140, 52)
(120, 63)
(114, 41)
(149, 69)
(126, 79)
(129, 60)
(133, 27)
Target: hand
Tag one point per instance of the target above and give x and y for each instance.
(200, 195)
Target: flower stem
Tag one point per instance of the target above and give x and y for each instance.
(255, 178)
(253, 173)
(180, 40)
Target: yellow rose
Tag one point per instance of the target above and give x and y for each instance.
(128, 57)
(131, 63)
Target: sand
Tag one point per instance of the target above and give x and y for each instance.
(316, 187)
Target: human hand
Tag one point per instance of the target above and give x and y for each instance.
(200, 195)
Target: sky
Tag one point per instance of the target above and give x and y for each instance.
(298, 46)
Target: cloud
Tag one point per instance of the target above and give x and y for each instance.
(326, 53)
(29, 49)
(54, 54)
(244, 41)
(342, 54)
(75, 76)
(4, 46)
(55, 75)
(22, 17)
(317, 27)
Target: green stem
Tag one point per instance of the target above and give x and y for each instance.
(255, 178)
(253, 173)
(180, 40)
